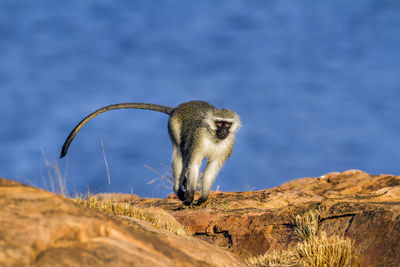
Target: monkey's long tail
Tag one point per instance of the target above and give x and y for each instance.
(159, 108)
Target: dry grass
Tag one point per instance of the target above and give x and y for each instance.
(326, 251)
(314, 249)
(307, 224)
(157, 217)
(163, 179)
(275, 258)
(56, 179)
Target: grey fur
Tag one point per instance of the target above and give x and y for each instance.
(195, 136)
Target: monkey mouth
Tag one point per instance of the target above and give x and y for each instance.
(222, 134)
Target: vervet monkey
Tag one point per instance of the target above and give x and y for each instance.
(197, 131)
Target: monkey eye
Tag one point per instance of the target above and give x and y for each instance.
(228, 124)
(219, 123)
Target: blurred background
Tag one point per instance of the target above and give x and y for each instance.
(316, 83)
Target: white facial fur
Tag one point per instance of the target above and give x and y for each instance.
(210, 119)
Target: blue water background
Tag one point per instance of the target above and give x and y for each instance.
(316, 83)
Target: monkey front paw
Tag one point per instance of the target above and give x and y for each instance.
(200, 202)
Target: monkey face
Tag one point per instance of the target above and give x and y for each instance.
(223, 129)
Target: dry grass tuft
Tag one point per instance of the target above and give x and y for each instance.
(157, 217)
(314, 249)
(275, 258)
(326, 251)
(307, 224)
(54, 176)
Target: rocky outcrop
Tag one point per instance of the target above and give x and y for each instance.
(38, 228)
(353, 204)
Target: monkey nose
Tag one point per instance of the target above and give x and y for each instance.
(222, 134)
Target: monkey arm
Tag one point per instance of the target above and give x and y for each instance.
(210, 173)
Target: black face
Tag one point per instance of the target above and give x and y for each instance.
(223, 129)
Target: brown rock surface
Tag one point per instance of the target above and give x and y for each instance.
(354, 204)
(38, 228)
(42, 228)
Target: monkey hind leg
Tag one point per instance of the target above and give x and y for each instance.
(181, 194)
(192, 174)
(177, 172)
(185, 193)
(181, 189)
(189, 196)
